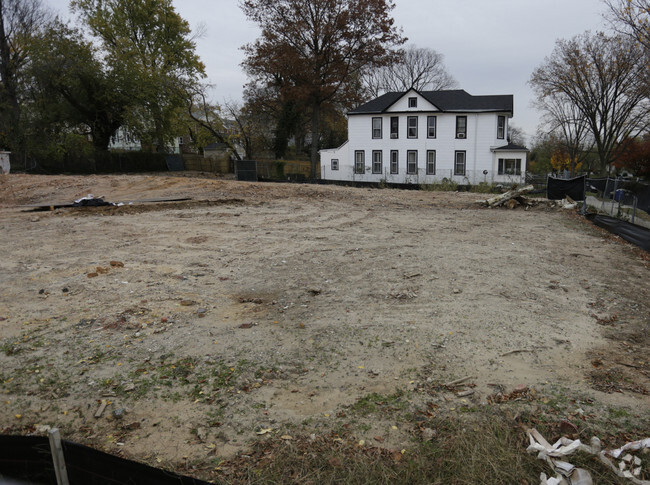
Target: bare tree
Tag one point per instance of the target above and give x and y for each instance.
(631, 17)
(516, 135)
(207, 116)
(563, 120)
(19, 20)
(602, 77)
(415, 67)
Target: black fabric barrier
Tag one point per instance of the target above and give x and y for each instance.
(28, 458)
(643, 200)
(633, 233)
(640, 191)
(246, 170)
(174, 163)
(557, 189)
(632, 189)
(599, 185)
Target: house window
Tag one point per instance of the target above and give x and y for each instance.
(376, 128)
(461, 126)
(394, 161)
(376, 161)
(431, 126)
(335, 164)
(413, 102)
(412, 126)
(359, 161)
(459, 163)
(501, 127)
(509, 166)
(394, 127)
(411, 162)
(431, 162)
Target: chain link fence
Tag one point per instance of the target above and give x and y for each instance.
(624, 199)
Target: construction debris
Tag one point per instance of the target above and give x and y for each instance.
(515, 198)
(567, 474)
(511, 198)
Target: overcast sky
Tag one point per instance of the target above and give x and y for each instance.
(490, 47)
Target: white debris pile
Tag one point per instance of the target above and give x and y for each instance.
(629, 466)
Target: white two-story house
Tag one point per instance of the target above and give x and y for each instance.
(425, 137)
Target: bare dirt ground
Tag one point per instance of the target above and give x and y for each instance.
(273, 309)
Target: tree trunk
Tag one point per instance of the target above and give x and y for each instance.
(8, 90)
(315, 114)
(505, 198)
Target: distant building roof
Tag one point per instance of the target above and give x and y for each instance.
(455, 100)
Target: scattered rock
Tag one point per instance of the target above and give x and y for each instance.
(428, 434)
(202, 433)
(119, 413)
(568, 428)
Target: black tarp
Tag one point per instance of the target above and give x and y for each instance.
(95, 202)
(557, 189)
(632, 191)
(636, 190)
(597, 185)
(174, 163)
(246, 170)
(633, 233)
(28, 459)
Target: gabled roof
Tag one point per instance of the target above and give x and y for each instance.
(456, 100)
(510, 147)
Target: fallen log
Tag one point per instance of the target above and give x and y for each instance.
(502, 199)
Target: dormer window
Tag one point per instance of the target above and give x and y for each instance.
(413, 102)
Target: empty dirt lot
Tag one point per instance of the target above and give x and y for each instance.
(256, 310)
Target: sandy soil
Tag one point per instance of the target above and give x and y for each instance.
(271, 308)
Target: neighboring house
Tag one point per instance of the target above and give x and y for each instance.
(425, 137)
(221, 151)
(216, 150)
(122, 140)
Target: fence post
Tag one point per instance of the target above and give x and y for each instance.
(58, 458)
(611, 212)
(583, 210)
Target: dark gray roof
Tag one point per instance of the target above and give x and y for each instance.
(510, 147)
(456, 100)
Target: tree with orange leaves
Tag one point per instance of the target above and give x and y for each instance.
(635, 156)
